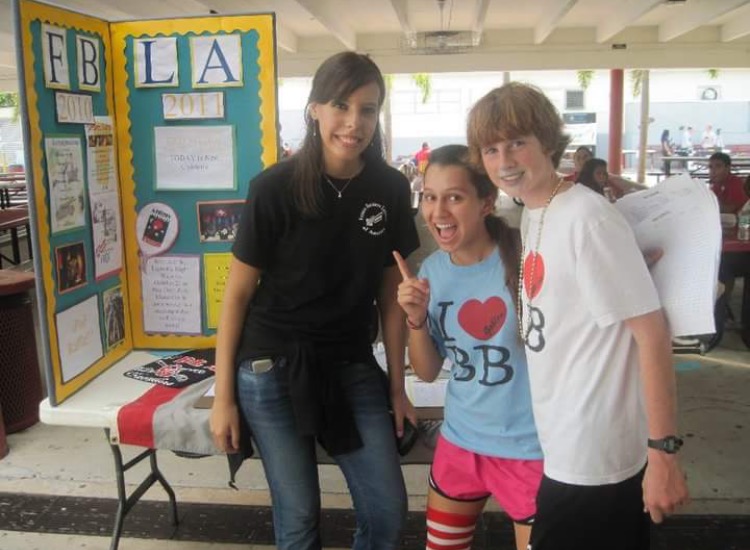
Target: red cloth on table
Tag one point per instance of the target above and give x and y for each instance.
(135, 421)
(166, 418)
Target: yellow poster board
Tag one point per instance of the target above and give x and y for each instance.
(142, 138)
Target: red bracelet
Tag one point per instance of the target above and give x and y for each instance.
(412, 326)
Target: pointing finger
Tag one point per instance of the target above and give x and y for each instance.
(402, 267)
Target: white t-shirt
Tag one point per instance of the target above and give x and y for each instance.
(583, 364)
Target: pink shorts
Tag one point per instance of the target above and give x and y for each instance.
(458, 474)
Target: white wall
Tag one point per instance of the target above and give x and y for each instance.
(674, 102)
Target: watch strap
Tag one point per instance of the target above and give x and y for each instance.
(669, 444)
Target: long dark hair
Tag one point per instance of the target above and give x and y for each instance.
(508, 239)
(335, 80)
(586, 177)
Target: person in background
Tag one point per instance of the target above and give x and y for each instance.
(719, 140)
(600, 363)
(461, 306)
(728, 188)
(594, 175)
(286, 150)
(581, 155)
(686, 140)
(667, 150)
(708, 140)
(422, 157)
(667, 147)
(293, 352)
(619, 185)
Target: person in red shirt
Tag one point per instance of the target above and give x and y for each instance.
(727, 187)
(422, 157)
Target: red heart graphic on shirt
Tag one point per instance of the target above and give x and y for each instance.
(483, 320)
(533, 287)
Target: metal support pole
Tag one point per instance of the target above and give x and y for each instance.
(616, 83)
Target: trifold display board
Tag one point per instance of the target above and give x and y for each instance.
(141, 140)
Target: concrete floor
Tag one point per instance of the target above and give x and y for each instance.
(714, 402)
(51, 460)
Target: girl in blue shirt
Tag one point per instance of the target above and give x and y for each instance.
(462, 306)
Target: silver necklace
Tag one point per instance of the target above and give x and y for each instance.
(534, 256)
(339, 192)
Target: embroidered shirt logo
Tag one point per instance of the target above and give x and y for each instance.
(373, 217)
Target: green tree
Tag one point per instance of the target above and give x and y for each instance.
(11, 99)
(584, 78)
(8, 99)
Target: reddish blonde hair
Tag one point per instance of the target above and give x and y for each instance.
(512, 111)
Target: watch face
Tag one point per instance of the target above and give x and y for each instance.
(670, 444)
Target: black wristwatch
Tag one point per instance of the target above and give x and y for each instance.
(670, 444)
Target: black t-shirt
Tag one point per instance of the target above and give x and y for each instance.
(321, 275)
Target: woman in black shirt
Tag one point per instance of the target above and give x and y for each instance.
(294, 356)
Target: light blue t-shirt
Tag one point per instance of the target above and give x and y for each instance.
(473, 323)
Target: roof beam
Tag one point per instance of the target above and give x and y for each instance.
(477, 20)
(624, 15)
(696, 15)
(736, 28)
(330, 18)
(6, 22)
(554, 12)
(399, 7)
(285, 38)
(95, 9)
(7, 60)
(191, 7)
(7, 39)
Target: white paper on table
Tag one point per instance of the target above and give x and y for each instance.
(680, 215)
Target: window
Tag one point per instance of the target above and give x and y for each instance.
(403, 103)
(574, 99)
(449, 101)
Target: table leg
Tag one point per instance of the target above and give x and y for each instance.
(745, 315)
(28, 241)
(14, 245)
(124, 502)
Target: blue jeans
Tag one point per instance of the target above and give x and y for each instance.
(373, 472)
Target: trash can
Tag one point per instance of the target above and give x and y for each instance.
(20, 383)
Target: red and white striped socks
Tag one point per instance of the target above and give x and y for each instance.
(447, 531)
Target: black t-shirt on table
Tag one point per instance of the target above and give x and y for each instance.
(320, 276)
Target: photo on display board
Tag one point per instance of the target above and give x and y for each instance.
(218, 221)
(65, 173)
(114, 316)
(156, 228)
(71, 267)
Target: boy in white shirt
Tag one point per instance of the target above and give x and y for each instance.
(600, 367)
